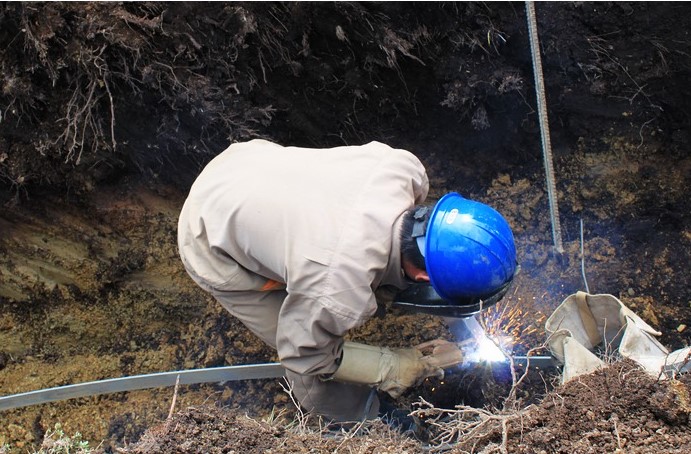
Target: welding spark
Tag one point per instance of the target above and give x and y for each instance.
(509, 318)
(478, 346)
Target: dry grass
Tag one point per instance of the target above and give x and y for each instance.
(469, 426)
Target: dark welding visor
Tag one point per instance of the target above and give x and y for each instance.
(421, 298)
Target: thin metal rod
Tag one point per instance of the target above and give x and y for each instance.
(544, 125)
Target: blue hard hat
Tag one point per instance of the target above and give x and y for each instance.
(468, 247)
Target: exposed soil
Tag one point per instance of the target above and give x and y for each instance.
(109, 110)
(616, 409)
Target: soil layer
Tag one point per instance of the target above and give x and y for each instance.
(109, 110)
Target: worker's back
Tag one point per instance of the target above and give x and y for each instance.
(295, 214)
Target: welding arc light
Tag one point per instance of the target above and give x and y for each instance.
(487, 351)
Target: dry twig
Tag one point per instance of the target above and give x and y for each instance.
(175, 397)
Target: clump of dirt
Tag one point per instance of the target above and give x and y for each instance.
(619, 408)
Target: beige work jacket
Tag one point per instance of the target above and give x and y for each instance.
(323, 223)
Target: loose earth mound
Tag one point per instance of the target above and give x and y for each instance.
(108, 110)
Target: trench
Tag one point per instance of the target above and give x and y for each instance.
(91, 283)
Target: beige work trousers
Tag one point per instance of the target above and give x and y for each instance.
(336, 401)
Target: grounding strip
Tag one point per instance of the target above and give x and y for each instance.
(133, 383)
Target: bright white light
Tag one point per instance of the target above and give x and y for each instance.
(478, 347)
(487, 351)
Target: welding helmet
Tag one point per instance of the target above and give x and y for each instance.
(470, 258)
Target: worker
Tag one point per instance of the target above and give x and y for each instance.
(300, 243)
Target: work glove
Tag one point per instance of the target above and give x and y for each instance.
(583, 322)
(395, 370)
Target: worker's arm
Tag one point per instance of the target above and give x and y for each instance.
(395, 370)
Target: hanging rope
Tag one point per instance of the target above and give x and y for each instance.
(544, 125)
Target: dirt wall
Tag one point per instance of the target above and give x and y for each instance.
(110, 109)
